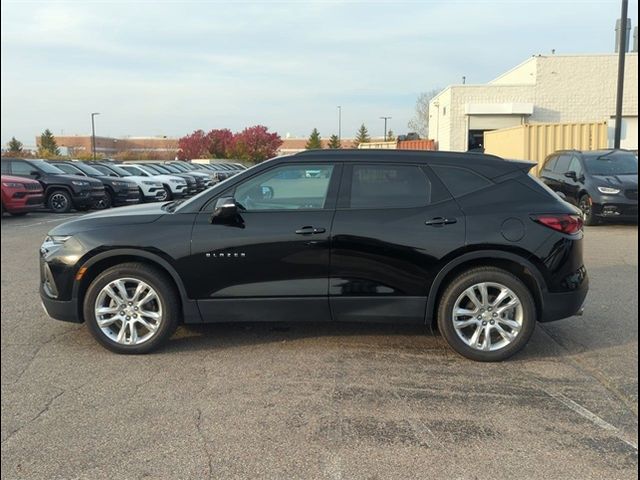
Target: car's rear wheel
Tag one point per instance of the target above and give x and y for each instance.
(131, 308)
(487, 314)
(586, 206)
(59, 201)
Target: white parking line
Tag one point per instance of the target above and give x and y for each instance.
(589, 415)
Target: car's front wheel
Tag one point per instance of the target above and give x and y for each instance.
(487, 314)
(59, 201)
(131, 308)
(586, 206)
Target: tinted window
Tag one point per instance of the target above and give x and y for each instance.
(104, 170)
(21, 168)
(461, 181)
(562, 166)
(389, 186)
(46, 167)
(89, 170)
(613, 163)
(574, 166)
(550, 165)
(291, 187)
(69, 169)
(5, 167)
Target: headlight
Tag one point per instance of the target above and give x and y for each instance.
(51, 241)
(609, 190)
(119, 184)
(12, 184)
(79, 183)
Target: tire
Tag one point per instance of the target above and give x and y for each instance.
(585, 206)
(167, 194)
(496, 281)
(59, 201)
(165, 305)
(106, 202)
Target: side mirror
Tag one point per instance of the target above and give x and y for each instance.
(226, 209)
(34, 173)
(572, 175)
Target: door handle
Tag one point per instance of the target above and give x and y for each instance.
(309, 230)
(440, 221)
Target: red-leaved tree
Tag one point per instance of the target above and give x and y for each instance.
(219, 142)
(255, 144)
(193, 146)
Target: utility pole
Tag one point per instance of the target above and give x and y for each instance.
(622, 51)
(340, 125)
(93, 135)
(385, 126)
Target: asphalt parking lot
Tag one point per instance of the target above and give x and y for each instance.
(320, 401)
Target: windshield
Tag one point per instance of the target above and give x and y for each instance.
(161, 169)
(69, 169)
(171, 168)
(89, 170)
(135, 170)
(613, 163)
(47, 167)
(146, 169)
(120, 171)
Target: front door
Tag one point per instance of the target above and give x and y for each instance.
(393, 225)
(272, 261)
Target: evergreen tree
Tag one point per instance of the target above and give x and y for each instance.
(362, 136)
(390, 136)
(48, 146)
(14, 145)
(314, 140)
(334, 142)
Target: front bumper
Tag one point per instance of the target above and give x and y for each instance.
(127, 197)
(64, 310)
(24, 204)
(615, 207)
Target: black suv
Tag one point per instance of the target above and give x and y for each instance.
(468, 243)
(118, 191)
(61, 190)
(603, 183)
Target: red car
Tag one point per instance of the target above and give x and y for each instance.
(21, 195)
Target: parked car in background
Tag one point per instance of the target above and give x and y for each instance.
(150, 190)
(118, 191)
(220, 172)
(62, 191)
(174, 187)
(192, 184)
(204, 179)
(21, 195)
(602, 183)
(468, 242)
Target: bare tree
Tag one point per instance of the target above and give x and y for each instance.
(420, 122)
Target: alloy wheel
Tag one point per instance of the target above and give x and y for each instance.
(59, 201)
(585, 207)
(488, 316)
(128, 311)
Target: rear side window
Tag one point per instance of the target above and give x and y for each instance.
(21, 168)
(389, 186)
(461, 181)
(5, 167)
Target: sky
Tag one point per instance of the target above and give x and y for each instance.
(170, 67)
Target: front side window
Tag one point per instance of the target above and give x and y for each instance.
(562, 166)
(290, 187)
(389, 186)
(23, 169)
(574, 166)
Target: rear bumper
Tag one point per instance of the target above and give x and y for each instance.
(556, 306)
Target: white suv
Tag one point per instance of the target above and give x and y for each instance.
(174, 187)
(150, 190)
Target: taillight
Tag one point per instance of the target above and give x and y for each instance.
(569, 224)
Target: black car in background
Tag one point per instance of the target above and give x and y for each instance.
(62, 191)
(118, 191)
(602, 183)
(474, 246)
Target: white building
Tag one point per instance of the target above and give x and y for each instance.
(543, 89)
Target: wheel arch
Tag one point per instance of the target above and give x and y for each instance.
(512, 262)
(101, 261)
(53, 188)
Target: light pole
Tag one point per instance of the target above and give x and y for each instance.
(340, 124)
(622, 51)
(385, 126)
(93, 134)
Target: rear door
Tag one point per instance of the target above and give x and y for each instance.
(571, 187)
(548, 175)
(561, 167)
(393, 224)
